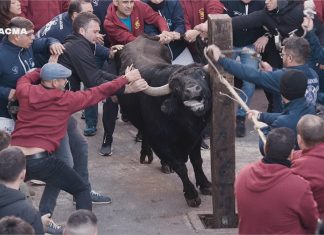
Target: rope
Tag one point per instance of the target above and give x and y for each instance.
(236, 98)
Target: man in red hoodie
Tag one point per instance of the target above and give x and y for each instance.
(125, 21)
(44, 110)
(270, 198)
(309, 161)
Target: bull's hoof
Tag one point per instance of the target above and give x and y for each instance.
(206, 190)
(149, 159)
(166, 169)
(194, 202)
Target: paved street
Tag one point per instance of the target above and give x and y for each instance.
(146, 201)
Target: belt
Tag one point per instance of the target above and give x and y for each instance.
(40, 155)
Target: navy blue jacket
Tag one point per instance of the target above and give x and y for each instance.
(60, 27)
(270, 81)
(244, 37)
(173, 14)
(100, 10)
(14, 63)
(289, 117)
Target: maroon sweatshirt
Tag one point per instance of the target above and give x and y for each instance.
(310, 164)
(43, 113)
(273, 200)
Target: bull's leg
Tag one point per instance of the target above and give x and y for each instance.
(202, 182)
(190, 193)
(146, 151)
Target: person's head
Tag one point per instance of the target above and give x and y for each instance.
(8, 10)
(295, 51)
(280, 143)
(293, 85)
(88, 25)
(78, 6)
(15, 225)
(4, 139)
(23, 32)
(81, 222)
(271, 4)
(55, 76)
(124, 8)
(156, 5)
(310, 131)
(12, 165)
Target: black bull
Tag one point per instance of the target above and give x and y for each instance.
(171, 124)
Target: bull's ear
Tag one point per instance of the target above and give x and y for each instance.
(169, 106)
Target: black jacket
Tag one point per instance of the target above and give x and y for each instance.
(14, 203)
(286, 18)
(79, 57)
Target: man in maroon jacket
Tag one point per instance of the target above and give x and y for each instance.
(309, 161)
(42, 123)
(125, 21)
(270, 198)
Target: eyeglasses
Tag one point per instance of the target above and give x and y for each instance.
(283, 54)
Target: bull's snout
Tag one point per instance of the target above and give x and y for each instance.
(192, 91)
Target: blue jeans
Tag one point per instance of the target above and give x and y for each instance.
(247, 87)
(73, 151)
(58, 174)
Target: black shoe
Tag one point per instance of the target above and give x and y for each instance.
(240, 126)
(106, 150)
(204, 145)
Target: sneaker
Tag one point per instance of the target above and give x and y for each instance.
(106, 150)
(204, 145)
(97, 198)
(53, 228)
(90, 131)
(240, 126)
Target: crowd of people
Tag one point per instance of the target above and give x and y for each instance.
(58, 58)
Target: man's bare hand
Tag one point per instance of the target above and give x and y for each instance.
(203, 29)
(260, 44)
(191, 35)
(133, 75)
(12, 95)
(114, 49)
(215, 51)
(136, 86)
(56, 48)
(100, 38)
(307, 24)
(265, 66)
(165, 37)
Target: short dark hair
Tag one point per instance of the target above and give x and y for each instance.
(14, 225)
(82, 20)
(4, 139)
(280, 142)
(21, 23)
(81, 222)
(12, 163)
(298, 47)
(75, 6)
(311, 129)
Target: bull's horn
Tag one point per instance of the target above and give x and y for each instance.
(205, 68)
(158, 91)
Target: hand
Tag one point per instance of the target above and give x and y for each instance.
(56, 48)
(165, 37)
(53, 59)
(100, 38)
(253, 113)
(12, 95)
(215, 51)
(203, 29)
(191, 35)
(307, 24)
(133, 75)
(264, 66)
(138, 85)
(175, 36)
(114, 49)
(46, 220)
(260, 44)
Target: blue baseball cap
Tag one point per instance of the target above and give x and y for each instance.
(51, 71)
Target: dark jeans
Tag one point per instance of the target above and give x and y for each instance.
(91, 116)
(73, 151)
(110, 112)
(56, 173)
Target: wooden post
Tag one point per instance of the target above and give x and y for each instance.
(222, 136)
